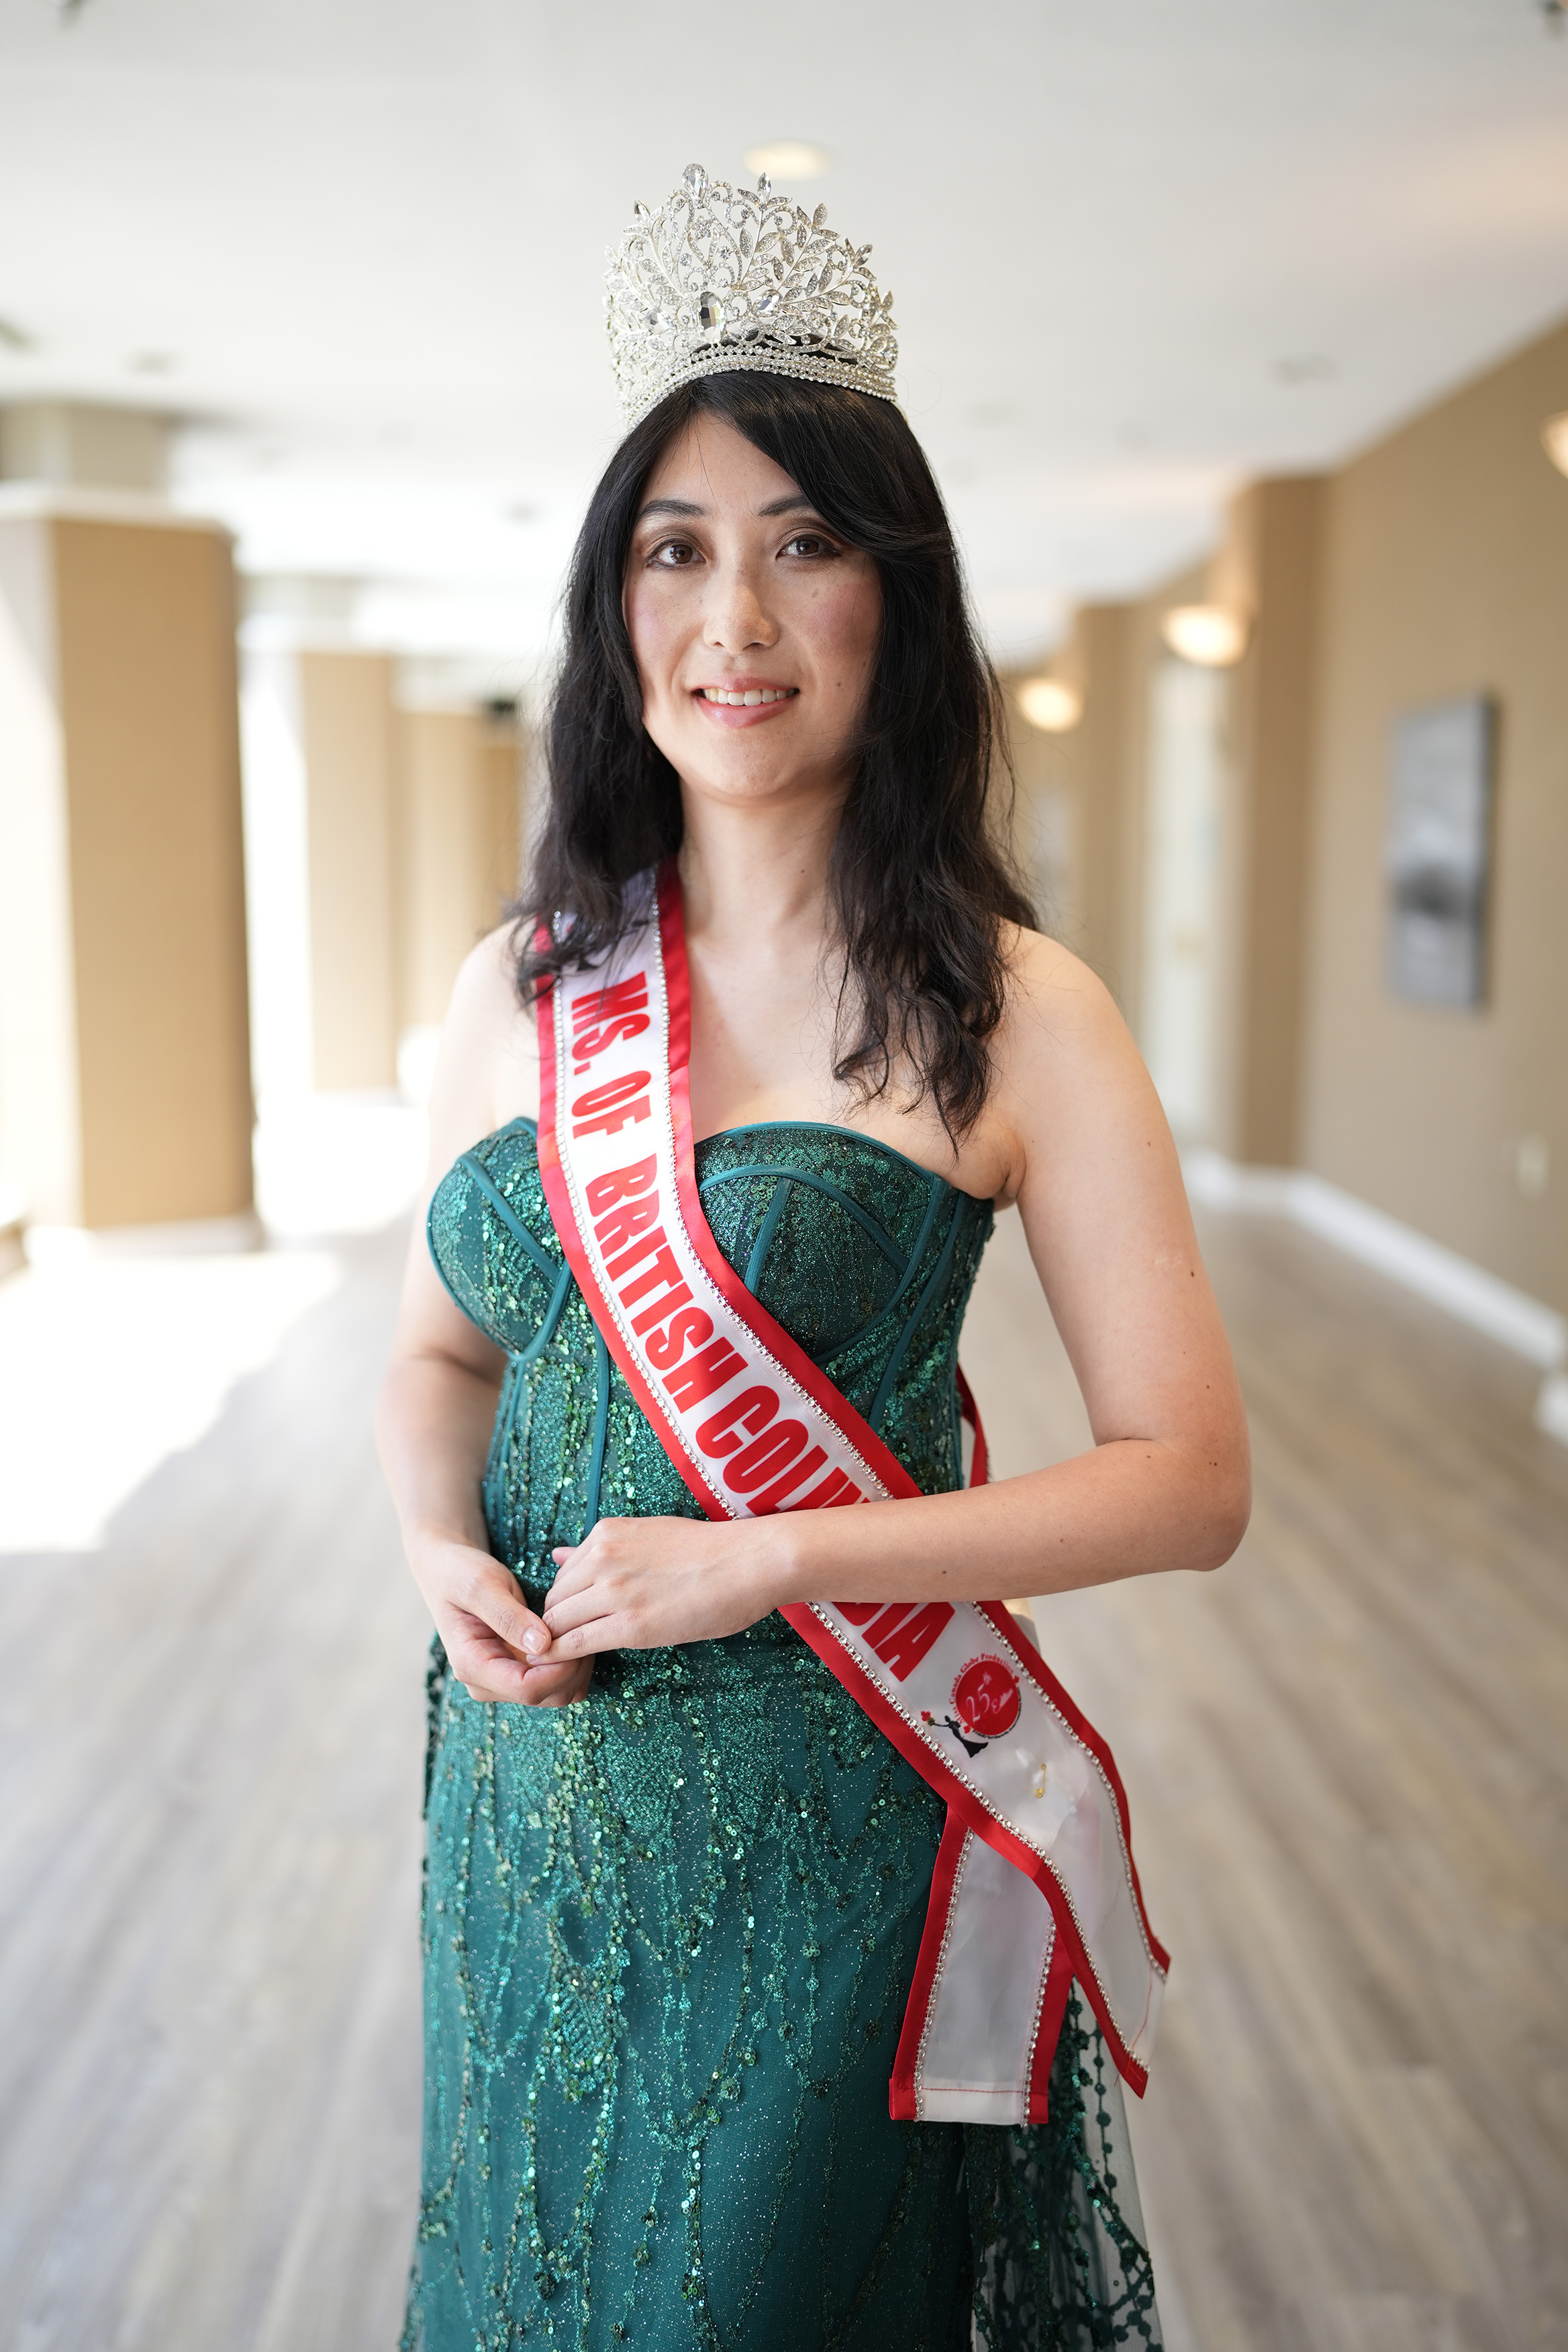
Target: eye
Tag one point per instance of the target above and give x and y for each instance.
(807, 544)
(673, 554)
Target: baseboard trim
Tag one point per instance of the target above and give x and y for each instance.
(1527, 1325)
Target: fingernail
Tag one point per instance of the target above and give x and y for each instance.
(533, 1641)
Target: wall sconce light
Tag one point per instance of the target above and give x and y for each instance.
(1210, 635)
(1554, 435)
(1050, 703)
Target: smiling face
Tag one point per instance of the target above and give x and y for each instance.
(753, 626)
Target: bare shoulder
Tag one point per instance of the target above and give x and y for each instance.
(485, 989)
(1058, 1012)
(1069, 1091)
(487, 1071)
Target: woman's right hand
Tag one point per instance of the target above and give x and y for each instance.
(488, 1629)
(438, 1403)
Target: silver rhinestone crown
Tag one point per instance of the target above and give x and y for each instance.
(720, 278)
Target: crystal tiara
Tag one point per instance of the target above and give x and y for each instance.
(720, 279)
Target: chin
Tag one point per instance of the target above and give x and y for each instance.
(746, 785)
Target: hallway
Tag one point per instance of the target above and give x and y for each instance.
(1345, 1755)
(213, 1733)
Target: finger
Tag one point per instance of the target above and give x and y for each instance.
(569, 1588)
(481, 1658)
(573, 1693)
(563, 1611)
(574, 1571)
(496, 1599)
(547, 1686)
(525, 1687)
(488, 1692)
(554, 1686)
(585, 1566)
(608, 1631)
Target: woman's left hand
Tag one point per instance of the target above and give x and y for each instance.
(646, 1584)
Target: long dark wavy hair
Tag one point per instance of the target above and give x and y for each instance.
(920, 880)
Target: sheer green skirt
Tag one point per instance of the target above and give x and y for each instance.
(668, 1936)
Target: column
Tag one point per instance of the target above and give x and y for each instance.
(459, 808)
(1268, 568)
(1106, 757)
(1078, 806)
(124, 1058)
(348, 738)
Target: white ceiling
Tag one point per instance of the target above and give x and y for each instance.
(1140, 251)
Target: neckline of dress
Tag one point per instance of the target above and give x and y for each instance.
(806, 1127)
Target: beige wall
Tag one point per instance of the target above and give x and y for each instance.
(458, 847)
(348, 735)
(504, 756)
(1446, 572)
(1435, 565)
(1084, 772)
(410, 822)
(1268, 569)
(124, 1060)
(1100, 765)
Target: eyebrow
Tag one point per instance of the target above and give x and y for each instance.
(685, 507)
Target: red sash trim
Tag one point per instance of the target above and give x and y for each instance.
(827, 1632)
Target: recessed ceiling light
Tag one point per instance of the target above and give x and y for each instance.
(1554, 433)
(1050, 703)
(1209, 634)
(789, 159)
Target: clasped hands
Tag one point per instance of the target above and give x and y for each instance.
(632, 1584)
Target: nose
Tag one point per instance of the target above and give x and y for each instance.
(736, 618)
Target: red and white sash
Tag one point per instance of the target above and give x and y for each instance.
(1035, 1882)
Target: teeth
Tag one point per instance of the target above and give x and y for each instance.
(751, 696)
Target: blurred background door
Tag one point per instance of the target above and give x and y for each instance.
(1180, 998)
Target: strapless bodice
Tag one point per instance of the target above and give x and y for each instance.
(865, 1258)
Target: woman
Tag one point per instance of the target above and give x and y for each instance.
(677, 1875)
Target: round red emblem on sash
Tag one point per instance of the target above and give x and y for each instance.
(986, 1697)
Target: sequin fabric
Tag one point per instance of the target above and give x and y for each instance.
(669, 1933)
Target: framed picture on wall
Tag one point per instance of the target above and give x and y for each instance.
(1438, 857)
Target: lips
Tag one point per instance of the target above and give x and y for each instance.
(743, 701)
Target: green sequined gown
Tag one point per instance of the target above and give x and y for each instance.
(669, 1933)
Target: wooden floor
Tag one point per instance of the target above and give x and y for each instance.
(1347, 1758)
(1348, 1761)
(209, 1858)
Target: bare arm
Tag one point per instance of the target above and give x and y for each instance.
(1167, 1483)
(438, 1403)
